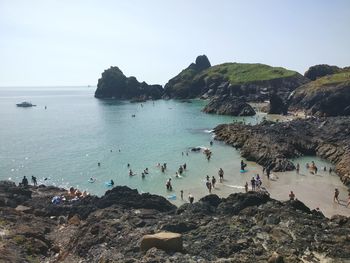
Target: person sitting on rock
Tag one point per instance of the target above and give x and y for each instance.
(291, 196)
(71, 191)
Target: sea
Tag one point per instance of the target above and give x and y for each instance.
(63, 138)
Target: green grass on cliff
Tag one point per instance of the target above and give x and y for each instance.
(325, 83)
(238, 73)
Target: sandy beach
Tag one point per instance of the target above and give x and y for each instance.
(315, 191)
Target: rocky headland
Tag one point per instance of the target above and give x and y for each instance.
(325, 96)
(118, 227)
(252, 81)
(226, 105)
(273, 144)
(114, 84)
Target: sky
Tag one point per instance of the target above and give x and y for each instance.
(66, 42)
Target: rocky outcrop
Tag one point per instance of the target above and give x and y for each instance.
(277, 105)
(273, 144)
(319, 71)
(180, 86)
(252, 81)
(249, 227)
(226, 105)
(326, 96)
(114, 84)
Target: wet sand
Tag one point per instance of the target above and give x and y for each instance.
(315, 191)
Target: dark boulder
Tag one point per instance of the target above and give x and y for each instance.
(235, 203)
(277, 105)
(226, 105)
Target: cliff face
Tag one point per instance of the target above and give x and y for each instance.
(253, 81)
(114, 84)
(326, 96)
(241, 228)
(272, 144)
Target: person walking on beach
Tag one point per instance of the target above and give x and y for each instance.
(221, 175)
(190, 198)
(182, 194)
(253, 183)
(246, 187)
(208, 184)
(336, 195)
(268, 171)
(298, 168)
(291, 196)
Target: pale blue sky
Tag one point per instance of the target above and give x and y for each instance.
(71, 42)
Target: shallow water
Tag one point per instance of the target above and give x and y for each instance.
(64, 142)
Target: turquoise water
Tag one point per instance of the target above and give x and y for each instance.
(65, 142)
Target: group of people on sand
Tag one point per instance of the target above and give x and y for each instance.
(255, 183)
(336, 197)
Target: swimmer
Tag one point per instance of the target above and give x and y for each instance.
(131, 173)
(143, 175)
(128, 165)
(112, 182)
(98, 164)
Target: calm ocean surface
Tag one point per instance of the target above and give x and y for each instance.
(64, 142)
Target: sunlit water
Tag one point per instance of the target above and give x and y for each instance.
(65, 142)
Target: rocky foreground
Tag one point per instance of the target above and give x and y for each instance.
(248, 227)
(272, 144)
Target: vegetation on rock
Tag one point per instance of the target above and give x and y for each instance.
(326, 96)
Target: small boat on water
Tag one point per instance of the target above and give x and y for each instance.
(25, 104)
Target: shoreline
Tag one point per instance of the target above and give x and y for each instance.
(313, 193)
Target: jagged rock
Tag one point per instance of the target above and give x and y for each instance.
(233, 229)
(74, 220)
(277, 105)
(229, 106)
(326, 96)
(273, 144)
(114, 84)
(166, 241)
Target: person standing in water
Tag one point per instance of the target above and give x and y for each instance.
(246, 187)
(208, 184)
(253, 183)
(221, 175)
(182, 194)
(213, 181)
